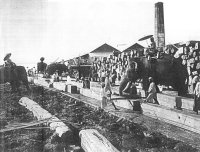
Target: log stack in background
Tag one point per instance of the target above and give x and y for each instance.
(189, 52)
(191, 56)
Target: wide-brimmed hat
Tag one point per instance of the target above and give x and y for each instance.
(7, 56)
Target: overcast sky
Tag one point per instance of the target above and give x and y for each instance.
(63, 29)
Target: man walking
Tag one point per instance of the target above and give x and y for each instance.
(152, 97)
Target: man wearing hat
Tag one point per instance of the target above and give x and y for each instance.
(152, 48)
(10, 64)
(8, 61)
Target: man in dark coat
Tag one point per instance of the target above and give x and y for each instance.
(41, 66)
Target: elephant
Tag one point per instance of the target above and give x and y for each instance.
(167, 71)
(14, 75)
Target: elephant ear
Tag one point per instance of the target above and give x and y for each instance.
(132, 75)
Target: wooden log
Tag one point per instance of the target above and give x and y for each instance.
(184, 62)
(11, 127)
(41, 114)
(198, 66)
(194, 54)
(197, 46)
(93, 141)
(194, 73)
(191, 61)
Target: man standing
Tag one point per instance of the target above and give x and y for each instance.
(12, 66)
(196, 106)
(41, 66)
(108, 89)
(152, 97)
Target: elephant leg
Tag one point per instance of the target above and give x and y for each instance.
(27, 85)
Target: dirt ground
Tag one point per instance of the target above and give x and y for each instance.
(124, 135)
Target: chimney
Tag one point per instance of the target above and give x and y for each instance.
(159, 34)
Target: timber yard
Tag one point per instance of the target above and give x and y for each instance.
(143, 99)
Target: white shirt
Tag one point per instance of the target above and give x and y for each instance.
(107, 85)
(152, 88)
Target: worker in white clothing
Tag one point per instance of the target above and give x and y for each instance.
(152, 97)
(108, 89)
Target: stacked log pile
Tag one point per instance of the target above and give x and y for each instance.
(191, 59)
(191, 56)
(189, 52)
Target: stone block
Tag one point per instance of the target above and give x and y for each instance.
(60, 86)
(132, 104)
(72, 89)
(187, 103)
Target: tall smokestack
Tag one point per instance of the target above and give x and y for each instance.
(159, 25)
